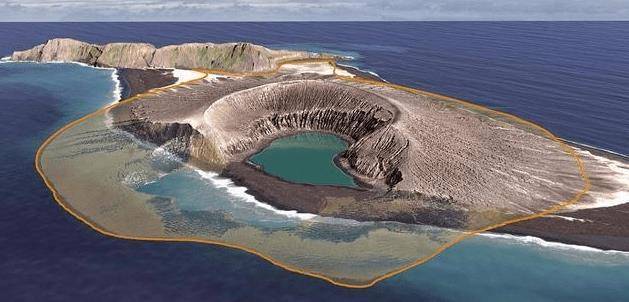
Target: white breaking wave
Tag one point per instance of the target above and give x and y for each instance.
(365, 71)
(117, 91)
(374, 74)
(241, 193)
(568, 218)
(530, 240)
(597, 148)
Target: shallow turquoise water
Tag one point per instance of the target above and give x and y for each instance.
(510, 269)
(56, 93)
(305, 158)
(193, 193)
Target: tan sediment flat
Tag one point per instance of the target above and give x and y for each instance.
(84, 173)
(451, 240)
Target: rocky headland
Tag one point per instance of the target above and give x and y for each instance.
(226, 56)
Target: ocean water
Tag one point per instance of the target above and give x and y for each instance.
(305, 158)
(570, 77)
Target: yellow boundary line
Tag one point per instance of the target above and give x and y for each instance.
(566, 148)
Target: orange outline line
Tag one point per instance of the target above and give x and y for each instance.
(566, 148)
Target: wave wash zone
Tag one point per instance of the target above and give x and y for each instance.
(126, 188)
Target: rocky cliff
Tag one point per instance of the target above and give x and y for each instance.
(227, 56)
(126, 55)
(64, 50)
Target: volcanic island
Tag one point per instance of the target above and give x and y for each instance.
(416, 157)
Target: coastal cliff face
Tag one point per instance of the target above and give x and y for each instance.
(126, 55)
(228, 56)
(61, 50)
(33, 54)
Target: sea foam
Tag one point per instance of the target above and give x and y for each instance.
(530, 240)
(241, 193)
(117, 91)
(116, 94)
(364, 71)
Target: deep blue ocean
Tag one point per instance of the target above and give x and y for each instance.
(571, 77)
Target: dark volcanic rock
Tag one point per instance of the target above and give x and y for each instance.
(135, 81)
(604, 228)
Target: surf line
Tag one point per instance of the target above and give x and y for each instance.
(356, 79)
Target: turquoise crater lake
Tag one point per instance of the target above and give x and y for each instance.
(305, 158)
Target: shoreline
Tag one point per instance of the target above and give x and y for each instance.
(362, 73)
(243, 192)
(256, 182)
(613, 155)
(543, 243)
(117, 92)
(602, 228)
